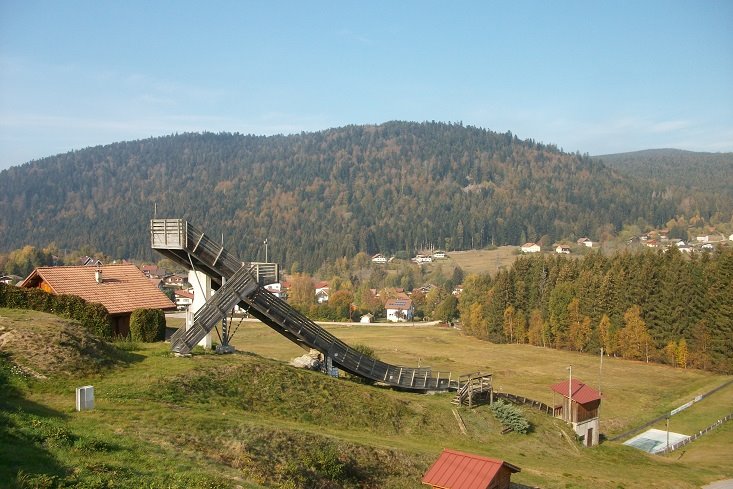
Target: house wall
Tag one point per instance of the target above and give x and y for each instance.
(502, 479)
(588, 431)
(120, 325)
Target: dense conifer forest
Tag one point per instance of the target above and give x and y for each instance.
(653, 306)
(319, 196)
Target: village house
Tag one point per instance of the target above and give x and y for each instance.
(119, 288)
(184, 299)
(460, 470)
(88, 261)
(366, 318)
(439, 254)
(152, 271)
(585, 242)
(277, 289)
(530, 248)
(420, 259)
(579, 408)
(10, 279)
(562, 249)
(322, 291)
(379, 258)
(399, 310)
(176, 280)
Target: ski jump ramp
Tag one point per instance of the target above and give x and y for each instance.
(243, 283)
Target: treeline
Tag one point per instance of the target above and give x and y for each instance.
(22, 261)
(319, 196)
(653, 306)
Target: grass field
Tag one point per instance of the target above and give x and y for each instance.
(248, 420)
(484, 261)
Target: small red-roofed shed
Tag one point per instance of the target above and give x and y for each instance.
(460, 470)
(580, 404)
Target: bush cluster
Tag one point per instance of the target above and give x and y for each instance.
(147, 325)
(93, 317)
(510, 416)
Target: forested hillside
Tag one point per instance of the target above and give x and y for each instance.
(318, 196)
(700, 182)
(658, 306)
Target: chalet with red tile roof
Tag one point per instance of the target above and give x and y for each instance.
(399, 309)
(184, 299)
(119, 288)
(530, 248)
(584, 402)
(460, 470)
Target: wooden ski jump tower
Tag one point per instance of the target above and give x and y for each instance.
(242, 283)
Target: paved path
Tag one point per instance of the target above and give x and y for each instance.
(725, 484)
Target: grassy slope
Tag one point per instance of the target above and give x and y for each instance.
(245, 420)
(484, 261)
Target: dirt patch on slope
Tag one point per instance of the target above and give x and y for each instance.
(43, 345)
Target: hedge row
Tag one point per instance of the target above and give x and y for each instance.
(93, 317)
(147, 325)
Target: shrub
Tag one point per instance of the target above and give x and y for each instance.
(510, 416)
(147, 325)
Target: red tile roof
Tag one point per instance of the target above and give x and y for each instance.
(184, 293)
(459, 470)
(582, 393)
(399, 304)
(124, 288)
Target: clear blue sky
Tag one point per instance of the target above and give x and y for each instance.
(593, 76)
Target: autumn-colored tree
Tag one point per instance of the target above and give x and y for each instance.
(634, 340)
(520, 329)
(535, 333)
(476, 322)
(508, 324)
(302, 292)
(681, 353)
(606, 335)
(341, 303)
(670, 353)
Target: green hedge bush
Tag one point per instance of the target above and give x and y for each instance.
(93, 317)
(147, 325)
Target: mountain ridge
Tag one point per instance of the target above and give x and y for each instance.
(323, 195)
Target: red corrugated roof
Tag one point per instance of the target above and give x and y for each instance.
(124, 288)
(459, 470)
(582, 393)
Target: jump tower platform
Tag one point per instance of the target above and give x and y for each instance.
(242, 283)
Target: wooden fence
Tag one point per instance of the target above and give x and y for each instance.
(697, 435)
(540, 406)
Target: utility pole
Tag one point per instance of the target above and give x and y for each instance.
(266, 251)
(600, 374)
(570, 394)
